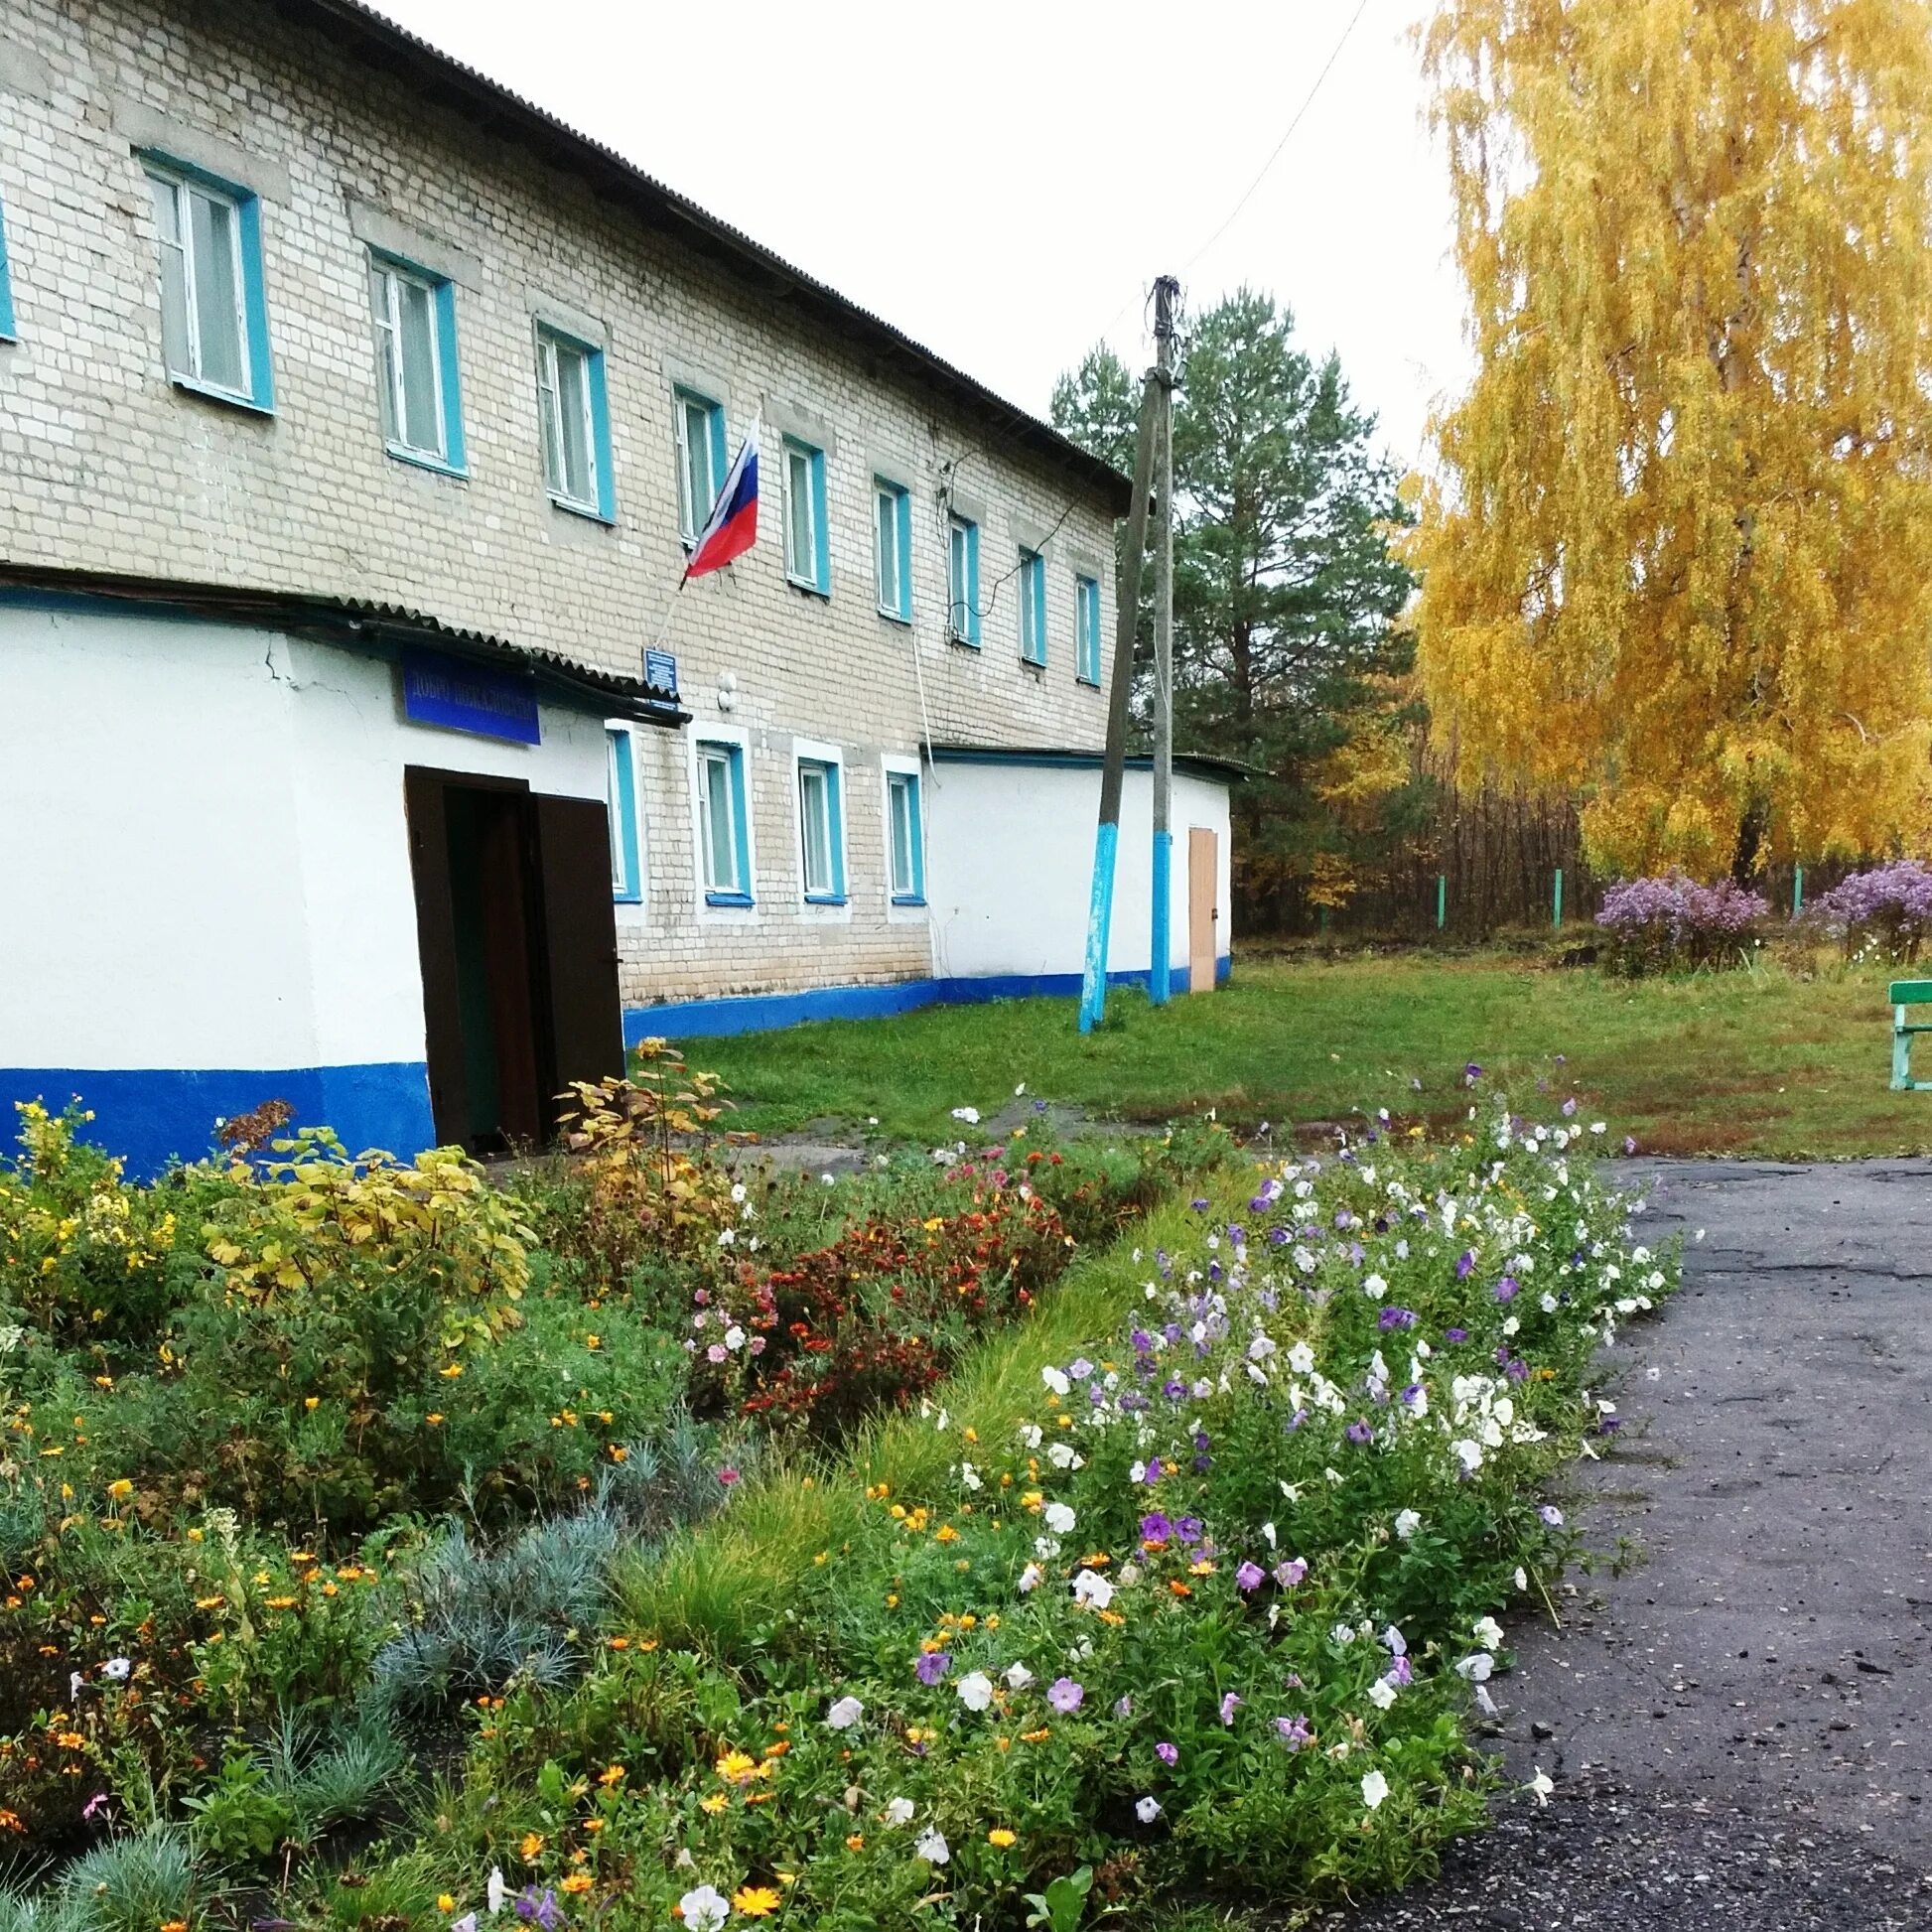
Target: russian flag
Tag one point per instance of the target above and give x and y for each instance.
(733, 525)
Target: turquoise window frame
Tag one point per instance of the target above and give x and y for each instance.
(627, 868)
(602, 505)
(259, 395)
(455, 460)
(909, 782)
(8, 332)
(820, 577)
(741, 824)
(963, 609)
(1033, 608)
(882, 487)
(832, 774)
(1086, 606)
(717, 451)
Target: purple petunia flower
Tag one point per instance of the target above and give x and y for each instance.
(1064, 1695)
(1153, 1470)
(1359, 1431)
(538, 1908)
(1471, 1074)
(1199, 1204)
(1123, 1707)
(1291, 1571)
(932, 1665)
(1465, 1265)
(1155, 1527)
(1393, 1317)
(1168, 1754)
(1187, 1529)
(1294, 1731)
(1249, 1576)
(1508, 1289)
(1455, 1334)
(1230, 1704)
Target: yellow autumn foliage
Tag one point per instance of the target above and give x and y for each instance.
(1678, 554)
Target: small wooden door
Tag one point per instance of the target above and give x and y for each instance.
(580, 934)
(1203, 913)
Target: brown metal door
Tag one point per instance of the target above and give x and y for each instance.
(580, 932)
(1203, 875)
(429, 867)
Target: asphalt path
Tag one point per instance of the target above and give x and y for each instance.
(1734, 1713)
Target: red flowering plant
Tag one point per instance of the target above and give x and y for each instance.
(874, 1318)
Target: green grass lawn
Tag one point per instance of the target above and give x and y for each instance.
(1768, 1061)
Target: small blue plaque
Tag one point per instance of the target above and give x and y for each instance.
(464, 696)
(660, 672)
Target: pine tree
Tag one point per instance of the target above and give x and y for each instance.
(1679, 553)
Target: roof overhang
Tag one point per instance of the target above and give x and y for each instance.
(1195, 764)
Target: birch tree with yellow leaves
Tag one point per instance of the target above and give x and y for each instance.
(1678, 553)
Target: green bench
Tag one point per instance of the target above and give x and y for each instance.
(1905, 993)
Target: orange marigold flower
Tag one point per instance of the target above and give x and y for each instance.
(755, 1901)
(532, 1844)
(576, 1881)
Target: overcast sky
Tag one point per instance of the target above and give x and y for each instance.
(1004, 181)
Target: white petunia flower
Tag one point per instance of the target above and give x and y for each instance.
(705, 1910)
(1017, 1677)
(1058, 1518)
(1031, 1578)
(1092, 1589)
(497, 1891)
(1488, 1632)
(899, 1812)
(1407, 1523)
(1055, 1380)
(932, 1848)
(970, 1115)
(1146, 1810)
(1381, 1694)
(845, 1713)
(1542, 1785)
(975, 1690)
(1375, 1787)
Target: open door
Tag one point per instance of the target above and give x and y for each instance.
(1204, 915)
(517, 943)
(580, 932)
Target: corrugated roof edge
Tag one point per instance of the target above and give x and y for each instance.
(1200, 764)
(316, 610)
(469, 90)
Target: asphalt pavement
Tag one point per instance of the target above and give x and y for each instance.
(1733, 1710)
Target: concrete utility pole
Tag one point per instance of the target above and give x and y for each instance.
(1127, 596)
(1161, 937)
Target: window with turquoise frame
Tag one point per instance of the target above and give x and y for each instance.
(893, 524)
(821, 832)
(575, 416)
(414, 313)
(6, 284)
(699, 425)
(808, 559)
(214, 303)
(1033, 607)
(1086, 612)
(620, 801)
(724, 831)
(906, 844)
(963, 580)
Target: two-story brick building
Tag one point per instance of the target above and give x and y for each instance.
(355, 420)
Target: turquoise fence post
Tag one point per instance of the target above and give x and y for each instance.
(1556, 906)
(1161, 935)
(1797, 890)
(1442, 901)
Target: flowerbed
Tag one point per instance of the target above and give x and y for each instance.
(300, 1451)
(1195, 1596)
(1886, 911)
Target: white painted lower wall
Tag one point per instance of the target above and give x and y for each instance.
(207, 859)
(1011, 868)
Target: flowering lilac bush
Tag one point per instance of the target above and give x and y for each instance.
(1205, 1602)
(1655, 925)
(1887, 910)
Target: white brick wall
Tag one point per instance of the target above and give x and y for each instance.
(110, 468)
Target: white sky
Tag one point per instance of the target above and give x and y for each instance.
(1007, 193)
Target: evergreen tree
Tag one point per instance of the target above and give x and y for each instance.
(1286, 588)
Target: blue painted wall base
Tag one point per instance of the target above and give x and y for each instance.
(762, 1013)
(152, 1115)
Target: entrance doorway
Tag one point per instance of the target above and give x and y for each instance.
(1203, 913)
(518, 948)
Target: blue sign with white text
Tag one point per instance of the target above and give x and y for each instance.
(464, 696)
(660, 672)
